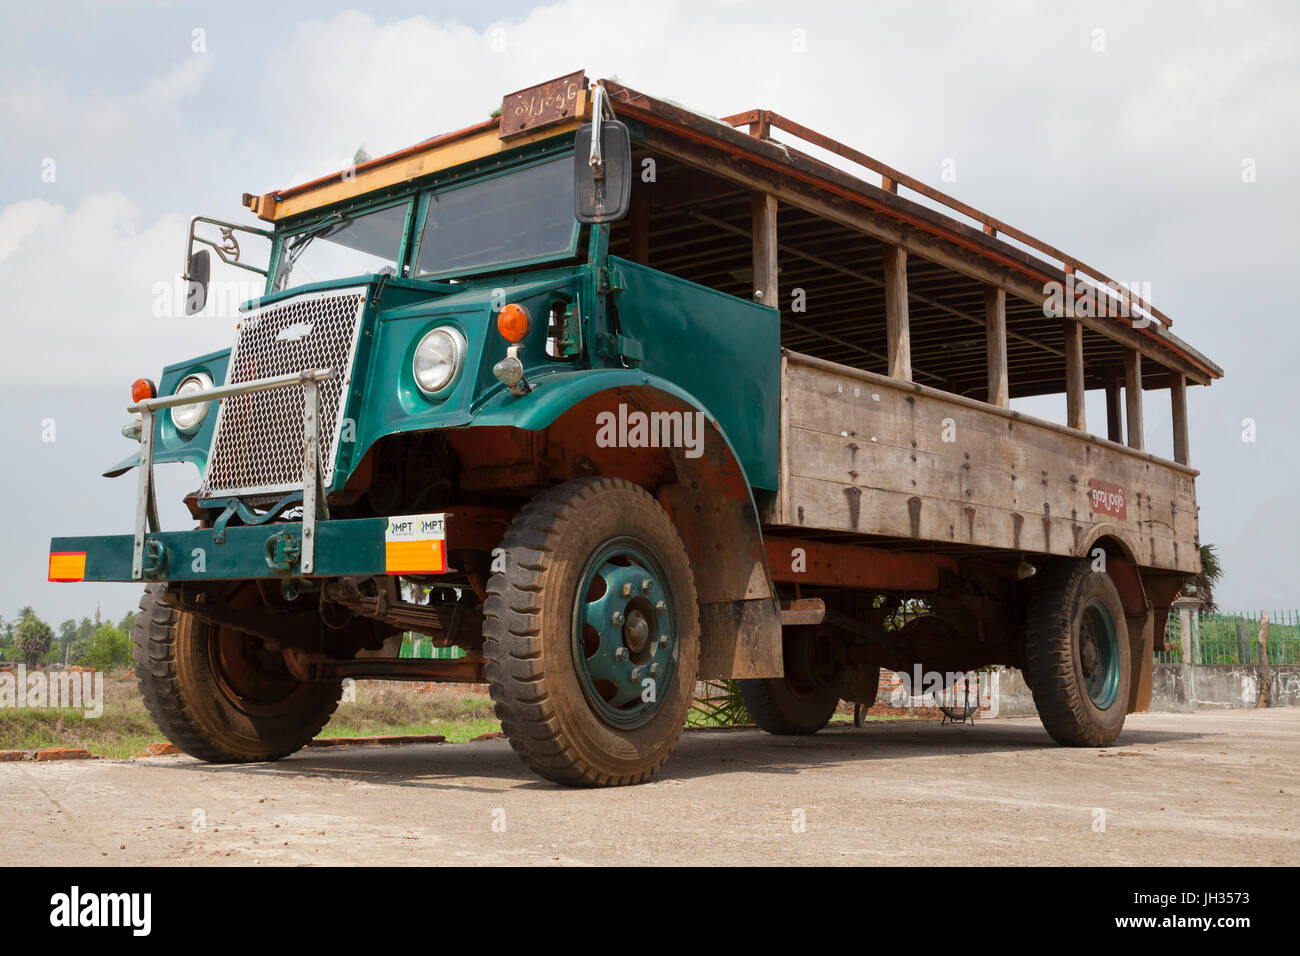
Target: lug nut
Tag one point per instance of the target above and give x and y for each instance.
(663, 640)
(661, 606)
(627, 589)
(618, 618)
(654, 669)
(637, 672)
(620, 654)
(647, 586)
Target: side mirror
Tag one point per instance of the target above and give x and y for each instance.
(602, 193)
(197, 272)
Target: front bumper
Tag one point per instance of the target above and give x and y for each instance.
(405, 545)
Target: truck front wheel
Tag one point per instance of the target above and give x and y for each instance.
(591, 633)
(1077, 654)
(216, 693)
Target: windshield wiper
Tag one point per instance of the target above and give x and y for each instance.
(298, 245)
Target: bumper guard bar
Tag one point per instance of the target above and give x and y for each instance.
(313, 492)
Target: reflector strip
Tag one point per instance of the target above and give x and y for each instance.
(67, 565)
(415, 544)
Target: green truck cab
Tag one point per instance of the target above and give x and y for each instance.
(614, 478)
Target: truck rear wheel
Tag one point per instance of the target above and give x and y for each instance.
(1077, 654)
(591, 634)
(804, 700)
(216, 693)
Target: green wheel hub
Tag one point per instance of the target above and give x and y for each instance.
(624, 633)
(1099, 654)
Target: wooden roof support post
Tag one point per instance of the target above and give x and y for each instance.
(1133, 397)
(1178, 399)
(995, 339)
(896, 321)
(1074, 413)
(1114, 412)
(763, 209)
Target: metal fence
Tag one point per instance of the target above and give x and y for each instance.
(421, 647)
(1233, 639)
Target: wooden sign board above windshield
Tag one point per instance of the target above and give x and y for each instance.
(537, 107)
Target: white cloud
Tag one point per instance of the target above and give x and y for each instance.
(81, 284)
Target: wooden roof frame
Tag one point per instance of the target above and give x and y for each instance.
(754, 161)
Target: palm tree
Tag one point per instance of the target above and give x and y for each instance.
(1211, 572)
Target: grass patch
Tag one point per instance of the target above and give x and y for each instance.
(125, 729)
(457, 712)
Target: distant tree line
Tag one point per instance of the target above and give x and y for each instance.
(103, 645)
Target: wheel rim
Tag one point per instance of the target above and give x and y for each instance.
(624, 633)
(1099, 654)
(250, 678)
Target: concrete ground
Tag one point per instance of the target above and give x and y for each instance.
(1201, 789)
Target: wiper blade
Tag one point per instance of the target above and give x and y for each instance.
(298, 245)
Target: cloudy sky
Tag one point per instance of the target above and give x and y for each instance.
(1157, 140)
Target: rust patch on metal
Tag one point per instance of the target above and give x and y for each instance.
(854, 566)
(540, 106)
(970, 521)
(1017, 520)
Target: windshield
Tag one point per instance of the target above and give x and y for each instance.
(522, 217)
(341, 247)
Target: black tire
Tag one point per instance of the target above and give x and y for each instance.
(547, 712)
(1080, 702)
(800, 703)
(780, 709)
(195, 704)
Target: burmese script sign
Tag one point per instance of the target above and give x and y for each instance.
(540, 106)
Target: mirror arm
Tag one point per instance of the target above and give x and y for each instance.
(228, 249)
(601, 109)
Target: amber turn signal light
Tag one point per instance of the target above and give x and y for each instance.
(512, 322)
(143, 388)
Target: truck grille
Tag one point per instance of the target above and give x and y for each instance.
(258, 444)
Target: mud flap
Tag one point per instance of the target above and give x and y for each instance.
(1141, 632)
(740, 639)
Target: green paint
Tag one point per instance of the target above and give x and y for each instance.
(637, 328)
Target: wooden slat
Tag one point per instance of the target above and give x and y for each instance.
(870, 455)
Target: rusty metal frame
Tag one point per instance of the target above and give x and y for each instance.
(854, 566)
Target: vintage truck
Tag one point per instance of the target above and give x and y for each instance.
(638, 397)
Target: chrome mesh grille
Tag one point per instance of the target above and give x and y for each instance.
(258, 443)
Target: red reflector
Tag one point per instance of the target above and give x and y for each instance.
(143, 388)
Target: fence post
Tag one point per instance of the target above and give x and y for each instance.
(1265, 671)
(1187, 608)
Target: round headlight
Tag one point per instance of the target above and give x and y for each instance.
(188, 418)
(438, 360)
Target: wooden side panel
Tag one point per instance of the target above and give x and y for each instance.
(866, 454)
